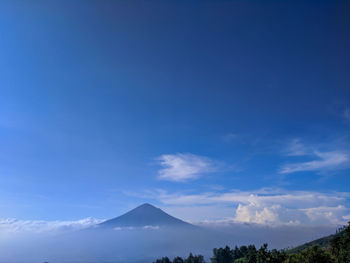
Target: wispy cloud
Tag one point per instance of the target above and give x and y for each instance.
(296, 148)
(263, 206)
(229, 137)
(181, 167)
(331, 159)
(326, 161)
(346, 114)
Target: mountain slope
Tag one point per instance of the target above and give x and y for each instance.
(323, 242)
(145, 215)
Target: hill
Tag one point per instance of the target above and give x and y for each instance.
(323, 242)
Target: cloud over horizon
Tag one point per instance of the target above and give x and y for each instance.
(265, 207)
(262, 206)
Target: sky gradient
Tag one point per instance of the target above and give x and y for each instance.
(212, 110)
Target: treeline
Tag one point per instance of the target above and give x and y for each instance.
(190, 259)
(338, 251)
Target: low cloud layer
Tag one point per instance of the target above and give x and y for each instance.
(281, 218)
(41, 226)
(109, 245)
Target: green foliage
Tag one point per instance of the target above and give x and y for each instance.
(334, 249)
(324, 242)
(241, 260)
(316, 255)
(340, 246)
(248, 255)
(222, 255)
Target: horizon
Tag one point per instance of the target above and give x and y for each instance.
(147, 219)
(220, 113)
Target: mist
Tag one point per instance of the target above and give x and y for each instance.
(144, 244)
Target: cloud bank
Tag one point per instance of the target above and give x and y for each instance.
(40, 226)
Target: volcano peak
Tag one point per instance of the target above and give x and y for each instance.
(144, 215)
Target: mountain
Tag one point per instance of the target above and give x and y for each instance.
(145, 215)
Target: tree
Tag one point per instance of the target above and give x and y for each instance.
(316, 255)
(237, 253)
(251, 254)
(262, 254)
(178, 260)
(222, 255)
(194, 259)
(340, 246)
(163, 260)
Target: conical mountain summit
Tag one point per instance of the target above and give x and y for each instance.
(145, 215)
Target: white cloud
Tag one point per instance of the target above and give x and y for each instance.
(263, 206)
(151, 227)
(130, 228)
(124, 228)
(296, 148)
(254, 214)
(326, 161)
(331, 214)
(39, 226)
(323, 160)
(181, 167)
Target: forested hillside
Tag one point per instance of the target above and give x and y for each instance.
(324, 242)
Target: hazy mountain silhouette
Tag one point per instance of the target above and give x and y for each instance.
(145, 215)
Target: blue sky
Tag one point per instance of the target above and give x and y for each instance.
(211, 110)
